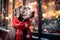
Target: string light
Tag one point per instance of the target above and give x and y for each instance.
(57, 16)
(49, 3)
(44, 6)
(19, 0)
(10, 0)
(6, 17)
(53, 2)
(54, 14)
(35, 2)
(44, 15)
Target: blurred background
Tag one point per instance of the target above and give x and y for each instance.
(50, 17)
(6, 13)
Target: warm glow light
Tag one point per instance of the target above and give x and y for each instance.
(16, 3)
(51, 13)
(19, 0)
(44, 15)
(57, 16)
(3, 9)
(43, 6)
(6, 17)
(49, 9)
(54, 14)
(53, 2)
(49, 3)
(59, 11)
(32, 3)
(10, 16)
(10, 0)
(35, 2)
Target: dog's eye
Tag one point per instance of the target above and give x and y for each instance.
(28, 8)
(24, 8)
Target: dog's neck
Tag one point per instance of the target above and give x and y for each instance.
(20, 18)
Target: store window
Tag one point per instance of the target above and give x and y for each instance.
(50, 16)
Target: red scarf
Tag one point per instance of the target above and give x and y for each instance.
(21, 26)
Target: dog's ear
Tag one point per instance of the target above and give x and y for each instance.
(20, 7)
(32, 14)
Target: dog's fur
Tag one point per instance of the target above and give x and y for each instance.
(23, 13)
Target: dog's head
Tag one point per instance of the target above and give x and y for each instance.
(26, 12)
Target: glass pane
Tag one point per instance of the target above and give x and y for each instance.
(48, 39)
(44, 39)
(50, 16)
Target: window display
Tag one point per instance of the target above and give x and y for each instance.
(28, 19)
(50, 16)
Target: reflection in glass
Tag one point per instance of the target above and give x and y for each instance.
(44, 39)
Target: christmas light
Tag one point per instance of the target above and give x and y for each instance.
(57, 16)
(44, 15)
(6, 17)
(10, 0)
(53, 2)
(44, 6)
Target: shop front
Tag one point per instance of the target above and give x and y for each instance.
(49, 19)
(45, 25)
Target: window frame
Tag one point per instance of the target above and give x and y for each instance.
(40, 33)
